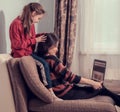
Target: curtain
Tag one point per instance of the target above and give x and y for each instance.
(65, 28)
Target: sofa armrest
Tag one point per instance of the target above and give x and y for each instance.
(6, 96)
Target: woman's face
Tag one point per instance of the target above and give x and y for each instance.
(36, 18)
(53, 50)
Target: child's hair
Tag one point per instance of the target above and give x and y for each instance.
(26, 14)
(43, 47)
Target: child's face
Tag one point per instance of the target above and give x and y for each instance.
(36, 18)
(53, 50)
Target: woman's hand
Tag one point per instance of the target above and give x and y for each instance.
(94, 84)
(97, 85)
(41, 38)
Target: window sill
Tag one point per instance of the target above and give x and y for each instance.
(98, 53)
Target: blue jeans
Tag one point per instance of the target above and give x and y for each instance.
(46, 67)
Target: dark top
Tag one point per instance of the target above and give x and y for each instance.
(62, 78)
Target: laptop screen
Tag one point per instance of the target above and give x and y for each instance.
(98, 72)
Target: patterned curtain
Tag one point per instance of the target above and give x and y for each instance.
(65, 28)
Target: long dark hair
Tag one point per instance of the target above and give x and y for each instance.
(42, 47)
(26, 15)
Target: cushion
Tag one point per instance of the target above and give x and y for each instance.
(18, 85)
(105, 99)
(36, 105)
(31, 76)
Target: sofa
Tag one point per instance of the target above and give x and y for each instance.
(22, 91)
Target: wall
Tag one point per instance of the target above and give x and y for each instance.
(10, 9)
(47, 23)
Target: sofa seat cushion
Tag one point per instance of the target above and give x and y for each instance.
(36, 105)
(31, 76)
(105, 99)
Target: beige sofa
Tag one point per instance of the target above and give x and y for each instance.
(22, 91)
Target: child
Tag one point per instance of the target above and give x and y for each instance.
(64, 81)
(23, 37)
(22, 30)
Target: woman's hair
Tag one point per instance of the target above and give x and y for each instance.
(43, 47)
(26, 15)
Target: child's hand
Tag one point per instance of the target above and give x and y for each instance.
(41, 38)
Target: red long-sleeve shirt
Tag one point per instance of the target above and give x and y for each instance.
(21, 44)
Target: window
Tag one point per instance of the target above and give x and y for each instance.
(99, 26)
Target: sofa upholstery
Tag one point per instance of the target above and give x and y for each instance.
(6, 96)
(23, 99)
(18, 84)
(33, 81)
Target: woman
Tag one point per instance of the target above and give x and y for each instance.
(64, 81)
(23, 37)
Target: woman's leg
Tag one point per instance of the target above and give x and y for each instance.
(80, 93)
(89, 92)
(115, 97)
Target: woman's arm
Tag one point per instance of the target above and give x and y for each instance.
(94, 84)
(65, 74)
(60, 71)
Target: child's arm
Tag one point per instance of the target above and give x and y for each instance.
(40, 34)
(40, 38)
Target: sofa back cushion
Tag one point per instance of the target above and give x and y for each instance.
(18, 85)
(31, 76)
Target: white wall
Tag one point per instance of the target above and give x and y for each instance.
(9, 9)
(47, 23)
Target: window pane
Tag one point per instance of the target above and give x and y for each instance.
(106, 25)
(99, 26)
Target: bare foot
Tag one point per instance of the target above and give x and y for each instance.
(57, 99)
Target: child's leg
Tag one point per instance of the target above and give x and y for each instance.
(47, 73)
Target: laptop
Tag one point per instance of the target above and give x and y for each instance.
(98, 71)
(99, 68)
